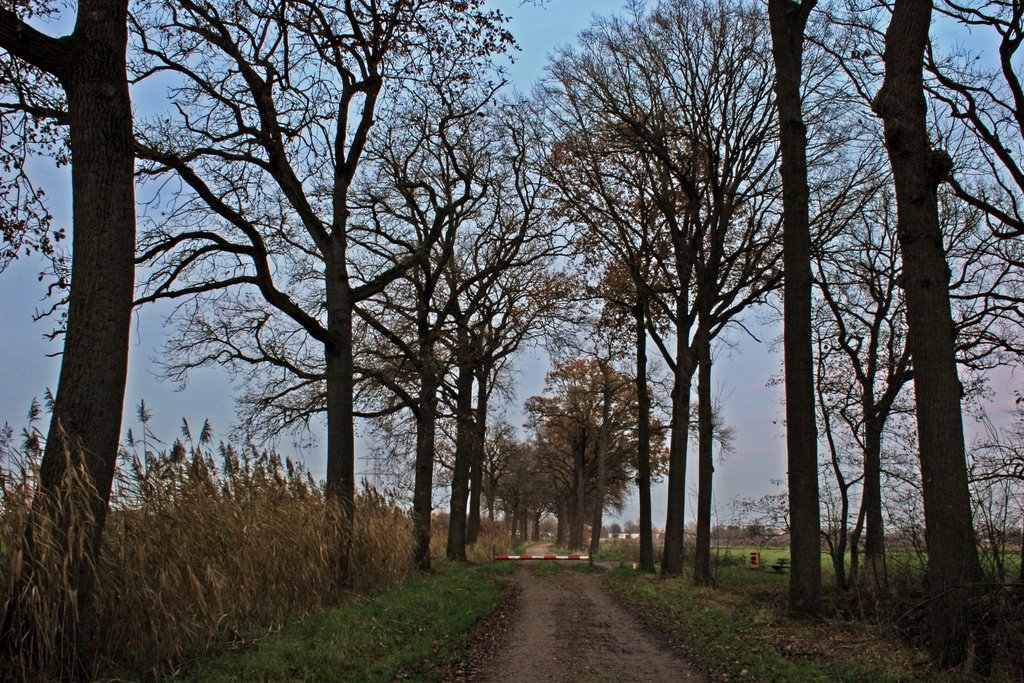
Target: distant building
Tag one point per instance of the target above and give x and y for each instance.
(632, 536)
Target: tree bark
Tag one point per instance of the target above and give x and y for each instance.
(341, 484)
(953, 564)
(86, 420)
(855, 535)
(464, 446)
(705, 455)
(476, 470)
(675, 515)
(579, 514)
(839, 558)
(788, 21)
(643, 437)
(604, 434)
(423, 487)
(874, 529)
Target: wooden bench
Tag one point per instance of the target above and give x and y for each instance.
(781, 565)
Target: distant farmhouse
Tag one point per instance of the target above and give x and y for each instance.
(631, 536)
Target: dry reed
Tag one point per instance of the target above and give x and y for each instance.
(198, 553)
(492, 538)
(45, 541)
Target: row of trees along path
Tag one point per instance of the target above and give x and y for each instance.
(364, 225)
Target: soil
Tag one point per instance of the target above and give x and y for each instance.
(564, 627)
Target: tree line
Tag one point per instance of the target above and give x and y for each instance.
(352, 212)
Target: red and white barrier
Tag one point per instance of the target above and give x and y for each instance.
(542, 557)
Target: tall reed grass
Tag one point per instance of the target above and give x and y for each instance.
(203, 548)
(493, 538)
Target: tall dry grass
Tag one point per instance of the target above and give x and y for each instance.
(201, 550)
(42, 633)
(492, 538)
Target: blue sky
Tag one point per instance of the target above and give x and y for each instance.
(743, 372)
(29, 369)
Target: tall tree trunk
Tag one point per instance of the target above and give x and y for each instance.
(579, 514)
(788, 21)
(560, 527)
(423, 486)
(953, 564)
(464, 446)
(675, 514)
(839, 559)
(855, 535)
(476, 469)
(643, 438)
(705, 455)
(1020, 575)
(88, 405)
(535, 534)
(874, 531)
(341, 484)
(523, 520)
(604, 434)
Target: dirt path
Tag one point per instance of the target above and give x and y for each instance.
(566, 628)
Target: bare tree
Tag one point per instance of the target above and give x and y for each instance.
(508, 292)
(857, 277)
(980, 90)
(426, 184)
(653, 89)
(788, 22)
(997, 468)
(274, 108)
(612, 201)
(918, 170)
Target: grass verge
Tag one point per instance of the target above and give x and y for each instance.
(503, 567)
(549, 568)
(742, 636)
(412, 632)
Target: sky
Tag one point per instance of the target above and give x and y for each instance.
(743, 370)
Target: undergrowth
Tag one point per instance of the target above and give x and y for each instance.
(204, 547)
(740, 631)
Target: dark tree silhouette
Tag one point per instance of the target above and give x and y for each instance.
(275, 108)
(917, 172)
(788, 22)
(90, 66)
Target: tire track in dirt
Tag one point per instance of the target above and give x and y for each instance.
(566, 628)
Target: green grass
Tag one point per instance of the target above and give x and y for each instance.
(745, 634)
(549, 568)
(413, 632)
(586, 568)
(501, 567)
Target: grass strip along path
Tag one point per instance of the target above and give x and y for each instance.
(740, 632)
(412, 632)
